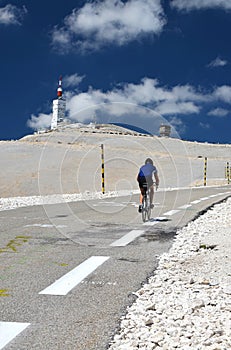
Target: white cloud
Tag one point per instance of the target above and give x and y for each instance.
(72, 80)
(178, 125)
(174, 107)
(189, 5)
(129, 98)
(107, 22)
(142, 102)
(219, 112)
(218, 62)
(189, 93)
(61, 37)
(42, 121)
(204, 125)
(11, 14)
(223, 93)
(148, 93)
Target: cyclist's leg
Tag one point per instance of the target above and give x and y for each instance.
(151, 188)
(141, 198)
(142, 184)
(141, 203)
(151, 193)
(141, 194)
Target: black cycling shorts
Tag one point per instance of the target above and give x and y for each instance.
(145, 181)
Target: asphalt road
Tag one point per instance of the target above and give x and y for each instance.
(103, 253)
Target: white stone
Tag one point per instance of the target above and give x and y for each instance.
(187, 302)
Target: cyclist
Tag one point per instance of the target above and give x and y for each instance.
(145, 176)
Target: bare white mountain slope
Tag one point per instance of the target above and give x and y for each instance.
(68, 160)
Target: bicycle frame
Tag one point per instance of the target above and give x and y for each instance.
(146, 205)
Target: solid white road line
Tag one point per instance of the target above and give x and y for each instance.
(9, 330)
(64, 284)
(129, 237)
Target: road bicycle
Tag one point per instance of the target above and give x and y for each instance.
(146, 205)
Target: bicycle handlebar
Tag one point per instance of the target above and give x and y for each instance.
(154, 183)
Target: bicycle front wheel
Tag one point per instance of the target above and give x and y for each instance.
(144, 210)
(149, 212)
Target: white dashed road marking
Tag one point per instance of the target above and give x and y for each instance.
(196, 201)
(150, 223)
(109, 204)
(45, 225)
(186, 206)
(64, 284)
(9, 330)
(129, 237)
(172, 212)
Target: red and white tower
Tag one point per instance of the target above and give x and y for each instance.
(59, 107)
(60, 90)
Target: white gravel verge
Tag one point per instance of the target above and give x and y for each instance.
(7, 203)
(187, 303)
(16, 202)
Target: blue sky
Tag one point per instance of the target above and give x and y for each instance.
(141, 62)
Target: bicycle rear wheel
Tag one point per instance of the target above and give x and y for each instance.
(144, 215)
(148, 207)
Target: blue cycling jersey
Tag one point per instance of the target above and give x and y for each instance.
(147, 170)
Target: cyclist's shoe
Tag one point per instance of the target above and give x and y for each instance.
(140, 208)
(152, 206)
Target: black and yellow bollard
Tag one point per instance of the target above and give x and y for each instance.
(102, 168)
(228, 173)
(205, 171)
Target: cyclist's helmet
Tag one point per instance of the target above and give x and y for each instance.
(149, 160)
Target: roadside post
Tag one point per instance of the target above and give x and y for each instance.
(205, 171)
(228, 173)
(102, 169)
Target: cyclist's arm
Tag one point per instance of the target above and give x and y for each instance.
(156, 179)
